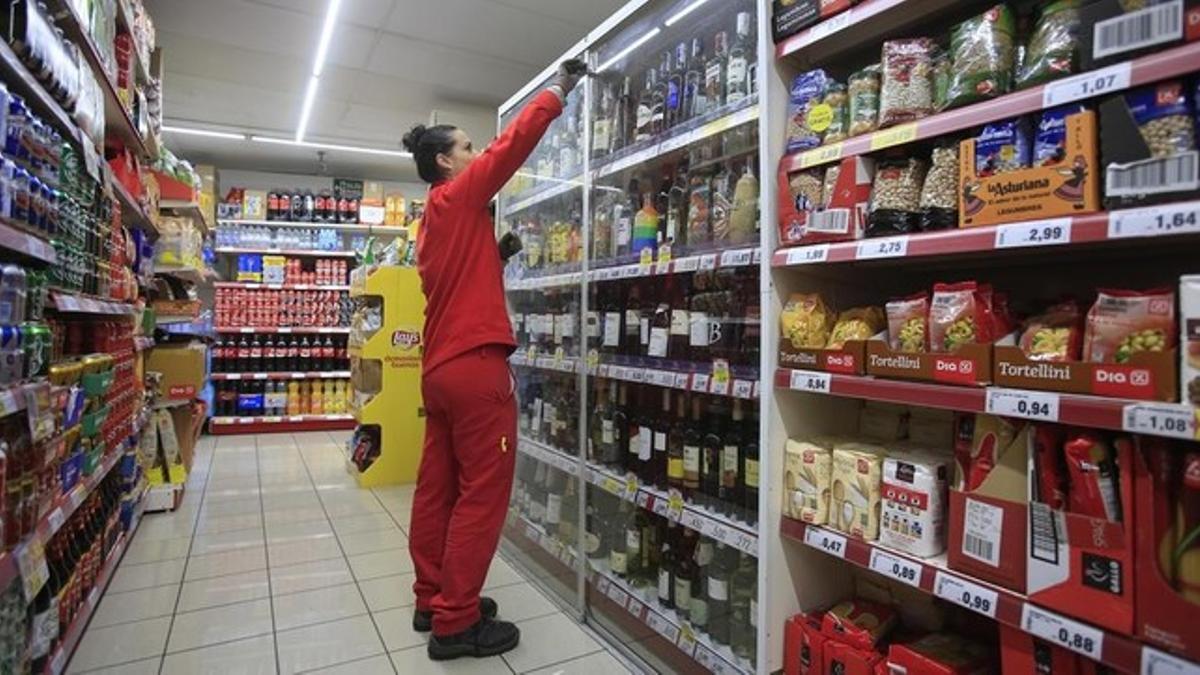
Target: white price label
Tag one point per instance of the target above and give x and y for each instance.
(688, 264)
(1060, 630)
(896, 567)
(617, 595)
(1161, 419)
(719, 386)
(1086, 85)
(744, 542)
(1034, 405)
(708, 262)
(603, 585)
(807, 380)
(829, 26)
(966, 594)
(286, 330)
(743, 388)
(532, 533)
(687, 640)
(643, 500)
(663, 626)
(826, 541)
(260, 376)
(700, 382)
(706, 658)
(1154, 221)
(1155, 662)
(660, 507)
(739, 258)
(682, 380)
(635, 607)
(808, 255)
(56, 519)
(630, 271)
(888, 247)
(1035, 233)
(694, 521)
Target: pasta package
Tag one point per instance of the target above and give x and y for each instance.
(806, 321)
(859, 323)
(808, 471)
(960, 314)
(859, 623)
(1122, 323)
(908, 324)
(1054, 335)
(914, 487)
(854, 503)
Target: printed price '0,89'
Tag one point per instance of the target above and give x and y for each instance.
(896, 567)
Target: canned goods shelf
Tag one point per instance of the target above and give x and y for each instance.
(297, 375)
(254, 425)
(80, 304)
(237, 250)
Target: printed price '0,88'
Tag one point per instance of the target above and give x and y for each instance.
(1066, 632)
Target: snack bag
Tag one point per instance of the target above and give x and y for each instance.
(982, 53)
(1092, 471)
(1122, 323)
(859, 323)
(1054, 335)
(837, 100)
(960, 314)
(908, 324)
(859, 623)
(806, 321)
(1164, 117)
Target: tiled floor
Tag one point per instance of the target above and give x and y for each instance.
(278, 563)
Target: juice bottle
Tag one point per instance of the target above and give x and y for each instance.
(332, 405)
(293, 398)
(317, 399)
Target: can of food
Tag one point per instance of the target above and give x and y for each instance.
(37, 348)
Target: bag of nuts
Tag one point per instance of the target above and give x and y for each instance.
(939, 196)
(906, 91)
(839, 108)
(896, 196)
(1164, 117)
(1123, 323)
(863, 90)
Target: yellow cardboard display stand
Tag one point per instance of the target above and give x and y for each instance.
(397, 408)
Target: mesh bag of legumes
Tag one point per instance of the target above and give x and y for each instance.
(1122, 323)
(982, 54)
(906, 92)
(960, 314)
(1053, 49)
(896, 196)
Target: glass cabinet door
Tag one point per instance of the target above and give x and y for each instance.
(673, 289)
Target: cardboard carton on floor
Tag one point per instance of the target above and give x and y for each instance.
(182, 368)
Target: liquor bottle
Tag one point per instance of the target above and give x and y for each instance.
(625, 119)
(652, 537)
(698, 606)
(692, 444)
(675, 104)
(699, 214)
(555, 480)
(751, 333)
(679, 338)
(711, 449)
(641, 437)
(666, 566)
(675, 443)
(695, 99)
(743, 218)
(750, 472)
(685, 571)
(645, 109)
(730, 487)
(720, 574)
(722, 205)
(662, 432)
(660, 329)
(658, 111)
(625, 547)
(737, 75)
(602, 126)
(623, 208)
(537, 495)
(568, 531)
(676, 210)
(602, 228)
(621, 430)
(595, 539)
(744, 607)
(645, 227)
(714, 72)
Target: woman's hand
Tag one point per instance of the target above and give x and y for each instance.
(569, 74)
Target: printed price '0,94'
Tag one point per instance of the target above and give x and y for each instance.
(804, 380)
(1034, 405)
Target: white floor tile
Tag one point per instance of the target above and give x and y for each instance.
(381, 564)
(147, 575)
(156, 550)
(210, 524)
(225, 563)
(415, 660)
(148, 603)
(230, 506)
(280, 532)
(548, 640)
(395, 625)
(327, 644)
(317, 606)
(389, 592)
(296, 514)
(521, 601)
(375, 665)
(255, 656)
(144, 667)
(310, 575)
(372, 542)
(122, 643)
(303, 550)
(599, 663)
(224, 590)
(220, 624)
(207, 544)
(501, 574)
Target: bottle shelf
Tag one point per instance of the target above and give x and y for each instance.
(237, 250)
(683, 375)
(668, 504)
(933, 577)
(254, 425)
(341, 227)
(1166, 222)
(1161, 65)
(299, 330)
(72, 303)
(297, 375)
(180, 207)
(729, 258)
(249, 285)
(558, 186)
(1143, 417)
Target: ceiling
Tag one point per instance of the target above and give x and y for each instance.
(243, 65)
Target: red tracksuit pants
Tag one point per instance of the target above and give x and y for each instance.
(463, 483)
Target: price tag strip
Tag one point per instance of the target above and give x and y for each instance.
(663, 626)
(1154, 221)
(1064, 632)
(1155, 662)
(810, 381)
(887, 247)
(896, 567)
(1034, 405)
(1035, 233)
(825, 541)
(1086, 85)
(808, 255)
(967, 594)
(1161, 419)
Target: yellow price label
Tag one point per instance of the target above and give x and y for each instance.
(612, 485)
(593, 359)
(820, 117)
(631, 484)
(905, 133)
(664, 254)
(560, 355)
(821, 155)
(647, 257)
(720, 372)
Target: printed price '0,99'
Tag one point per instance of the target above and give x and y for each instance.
(966, 593)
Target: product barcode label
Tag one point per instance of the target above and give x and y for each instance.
(826, 541)
(1152, 221)
(1086, 85)
(1037, 233)
(966, 594)
(1155, 662)
(1044, 527)
(1152, 176)
(1060, 630)
(1035, 405)
(830, 221)
(808, 255)
(1161, 419)
(982, 527)
(888, 247)
(806, 380)
(896, 567)
(1138, 29)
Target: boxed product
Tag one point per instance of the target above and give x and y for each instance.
(182, 368)
(1189, 340)
(883, 421)
(914, 502)
(940, 654)
(1167, 482)
(1149, 145)
(847, 660)
(854, 503)
(825, 203)
(254, 205)
(1118, 30)
(931, 428)
(861, 624)
(807, 478)
(1022, 654)
(274, 269)
(791, 16)
(804, 645)
(991, 195)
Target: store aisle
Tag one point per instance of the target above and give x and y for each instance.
(278, 563)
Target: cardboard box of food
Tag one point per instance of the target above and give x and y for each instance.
(1070, 187)
(1109, 34)
(850, 359)
(1134, 173)
(182, 368)
(804, 645)
(1149, 376)
(805, 218)
(971, 364)
(1022, 654)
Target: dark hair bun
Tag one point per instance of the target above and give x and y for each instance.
(412, 140)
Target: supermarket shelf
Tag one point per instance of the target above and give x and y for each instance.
(869, 22)
(1144, 417)
(332, 374)
(1168, 221)
(132, 213)
(185, 208)
(1167, 63)
(190, 274)
(231, 250)
(125, 22)
(173, 320)
(266, 425)
(14, 238)
(273, 330)
(66, 650)
(80, 304)
(342, 227)
(696, 130)
(20, 81)
(734, 257)
(278, 287)
(669, 505)
(684, 375)
(932, 576)
(558, 187)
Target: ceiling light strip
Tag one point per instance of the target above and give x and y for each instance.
(188, 131)
(330, 146)
(628, 50)
(326, 36)
(310, 97)
(678, 16)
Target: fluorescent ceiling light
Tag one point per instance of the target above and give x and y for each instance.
(326, 36)
(625, 52)
(684, 12)
(331, 146)
(310, 97)
(204, 132)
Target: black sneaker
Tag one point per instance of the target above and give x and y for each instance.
(488, 637)
(423, 620)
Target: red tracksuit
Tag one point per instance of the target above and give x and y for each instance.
(467, 465)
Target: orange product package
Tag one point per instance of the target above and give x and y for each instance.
(1122, 323)
(1054, 335)
(960, 314)
(908, 323)
(859, 623)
